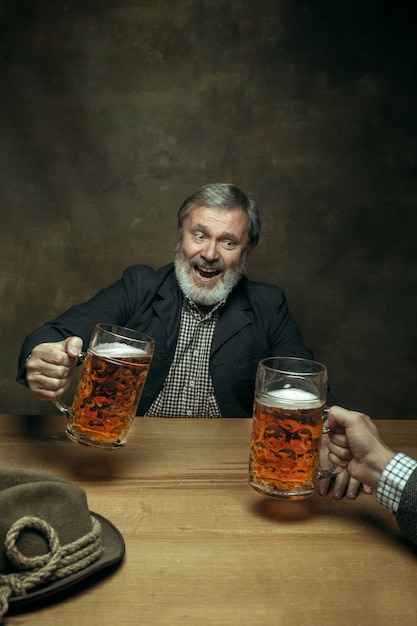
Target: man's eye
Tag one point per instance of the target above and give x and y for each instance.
(228, 243)
(198, 236)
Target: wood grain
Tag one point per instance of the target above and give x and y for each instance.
(202, 548)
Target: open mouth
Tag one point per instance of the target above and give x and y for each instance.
(206, 275)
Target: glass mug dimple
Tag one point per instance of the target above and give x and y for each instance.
(287, 428)
(113, 374)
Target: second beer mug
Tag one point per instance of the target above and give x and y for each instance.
(287, 427)
(110, 386)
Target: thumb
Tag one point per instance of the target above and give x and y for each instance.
(336, 418)
(73, 346)
(330, 422)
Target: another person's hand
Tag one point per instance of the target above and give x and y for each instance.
(341, 485)
(356, 445)
(50, 367)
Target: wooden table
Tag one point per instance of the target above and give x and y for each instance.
(203, 548)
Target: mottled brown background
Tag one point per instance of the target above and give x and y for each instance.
(113, 111)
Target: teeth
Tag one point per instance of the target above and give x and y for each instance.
(207, 273)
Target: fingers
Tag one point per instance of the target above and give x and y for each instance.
(350, 488)
(352, 435)
(323, 486)
(50, 367)
(46, 388)
(47, 381)
(339, 419)
(338, 460)
(339, 486)
(339, 451)
(343, 486)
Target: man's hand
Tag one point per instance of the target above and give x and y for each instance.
(343, 484)
(50, 366)
(356, 444)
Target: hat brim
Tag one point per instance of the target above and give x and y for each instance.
(113, 553)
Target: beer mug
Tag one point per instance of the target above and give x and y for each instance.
(287, 427)
(110, 386)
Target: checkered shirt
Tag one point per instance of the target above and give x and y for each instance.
(393, 480)
(188, 389)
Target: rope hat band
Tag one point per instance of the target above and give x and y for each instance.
(46, 532)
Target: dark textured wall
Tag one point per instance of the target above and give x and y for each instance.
(113, 111)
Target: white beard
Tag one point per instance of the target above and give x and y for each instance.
(206, 294)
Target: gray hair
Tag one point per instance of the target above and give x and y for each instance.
(223, 196)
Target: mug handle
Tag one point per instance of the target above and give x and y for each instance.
(61, 406)
(334, 470)
(58, 402)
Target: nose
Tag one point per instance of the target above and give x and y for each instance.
(210, 252)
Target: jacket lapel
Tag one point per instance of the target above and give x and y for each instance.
(167, 307)
(232, 318)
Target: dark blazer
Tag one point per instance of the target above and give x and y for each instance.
(407, 511)
(254, 323)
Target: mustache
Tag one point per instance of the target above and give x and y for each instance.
(209, 265)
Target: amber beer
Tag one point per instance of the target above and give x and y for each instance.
(108, 394)
(286, 437)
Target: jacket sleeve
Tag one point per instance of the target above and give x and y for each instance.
(407, 511)
(284, 334)
(256, 323)
(114, 304)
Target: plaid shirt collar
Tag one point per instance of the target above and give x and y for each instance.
(196, 311)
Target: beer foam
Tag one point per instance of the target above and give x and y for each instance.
(291, 398)
(117, 350)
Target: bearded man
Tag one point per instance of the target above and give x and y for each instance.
(211, 324)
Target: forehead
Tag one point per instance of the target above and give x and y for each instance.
(217, 219)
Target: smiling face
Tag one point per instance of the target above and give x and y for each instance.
(212, 253)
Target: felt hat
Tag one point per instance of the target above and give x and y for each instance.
(49, 540)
